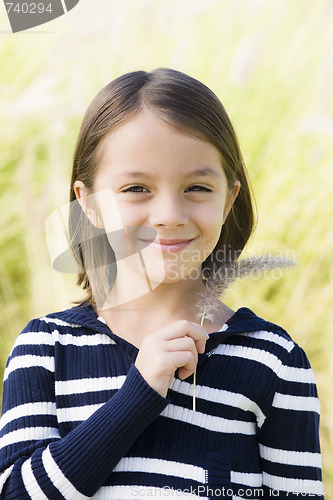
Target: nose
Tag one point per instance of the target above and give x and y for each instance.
(168, 211)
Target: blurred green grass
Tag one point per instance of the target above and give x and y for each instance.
(271, 64)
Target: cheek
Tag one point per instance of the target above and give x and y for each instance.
(135, 234)
(108, 210)
(120, 215)
(212, 218)
(131, 214)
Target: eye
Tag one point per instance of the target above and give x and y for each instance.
(135, 189)
(198, 188)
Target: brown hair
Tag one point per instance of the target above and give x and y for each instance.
(186, 104)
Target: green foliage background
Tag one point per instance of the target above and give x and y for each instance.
(270, 62)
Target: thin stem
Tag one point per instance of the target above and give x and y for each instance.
(195, 371)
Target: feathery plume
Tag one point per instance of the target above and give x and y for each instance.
(217, 284)
(220, 280)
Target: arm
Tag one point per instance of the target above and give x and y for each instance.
(35, 462)
(289, 438)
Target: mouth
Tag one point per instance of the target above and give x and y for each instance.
(168, 245)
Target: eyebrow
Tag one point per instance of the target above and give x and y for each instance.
(199, 172)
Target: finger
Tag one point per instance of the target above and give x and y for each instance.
(184, 373)
(185, 360)
(182, 328)
(200, 346)
(181, 344)
(187, 342)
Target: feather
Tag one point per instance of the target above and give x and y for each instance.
(220, 280)
(217, 284)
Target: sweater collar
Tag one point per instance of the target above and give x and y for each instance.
(244, 320)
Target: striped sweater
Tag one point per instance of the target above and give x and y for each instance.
(80, 422)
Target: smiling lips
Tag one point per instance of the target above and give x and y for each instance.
(169, 245)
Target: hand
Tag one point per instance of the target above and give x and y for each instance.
(174, 346)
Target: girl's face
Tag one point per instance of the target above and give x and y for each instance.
(170, 191)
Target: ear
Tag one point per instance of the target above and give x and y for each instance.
(232, 195)
(87, 203)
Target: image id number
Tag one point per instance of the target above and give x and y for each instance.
(28, 8)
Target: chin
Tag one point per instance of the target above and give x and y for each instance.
(175, 273)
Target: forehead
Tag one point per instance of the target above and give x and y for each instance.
(147, 140)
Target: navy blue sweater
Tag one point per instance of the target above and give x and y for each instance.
(80, 422)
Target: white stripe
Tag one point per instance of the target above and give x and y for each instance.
(288, 373)
(83, 385)
(34, 338)
(59, 322)
(288, 345)
(296, 403)
(290, 485)
(144, 492)
(159, 466)
(45, 338)
(29, 434)
(29, 361)
(246, 478)
(30, 482)
(76, 413)
(221, 396)
(26, 410)
(4, 476)
(234, 497)
(82, 340)
(216, 424)
(299, 458)
(59, 480)
(293, 374)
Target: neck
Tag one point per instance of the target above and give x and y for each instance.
(136, 305)
(168, 302)
(125, 312)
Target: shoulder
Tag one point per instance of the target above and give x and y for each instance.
(43, 331)
(264, 340)
(70, 318)
(46, 338)
(262, 359)
(245, 322)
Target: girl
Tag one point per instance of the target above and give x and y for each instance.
(98, 398)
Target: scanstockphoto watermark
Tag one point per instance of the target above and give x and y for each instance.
(223, 492)
(24, 15)
(269, 265)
